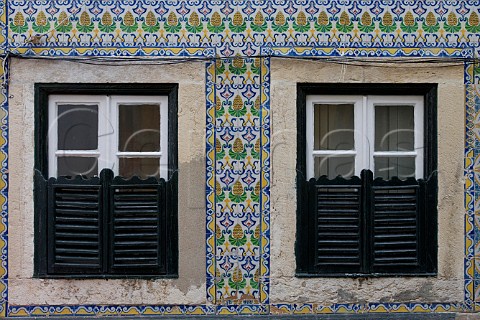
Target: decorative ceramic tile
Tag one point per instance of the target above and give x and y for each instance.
(238, 105)
(470, 112)
(476, 67)
(306, 308)
(231, 36)
(469, 292)
(25, 311)
(243, 309)
(157, 23)
(344, 51)
(239, 183)
(237, 215)
(3, 183)
(469, 235)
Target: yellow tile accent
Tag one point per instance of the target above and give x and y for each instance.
(150, 310)
(83, 311)
(39, 312)
(130, 311)
(107, 313)
(196, 311)
(468, 199)
(419, 308)
(279, 310)
(468, 162)
(471, 270)
(248, 310)
(379, 309)
(303, 310)
(441, 309)
(324, 310)
(63, 311)
(469, 288)
(226, 311)
(175, 310)
(402, 308)
(3, 287)
(343, 309)
(22, 312)
(468, 244)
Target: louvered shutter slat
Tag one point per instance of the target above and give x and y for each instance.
(137, 214)
(75, 234)
(338, 226)
(396, 212)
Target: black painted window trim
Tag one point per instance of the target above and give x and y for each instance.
(42, 92)
(305, 257)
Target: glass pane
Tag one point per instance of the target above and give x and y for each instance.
(388, 167)
(74, 166)
(334, 166)
(141, 167)
(139, 128)
(333, 127)
(394, 128)
(77, 127)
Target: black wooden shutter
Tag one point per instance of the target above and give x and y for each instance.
(366, 226)
(399, 215)
(137, 226)
(106, 226)
(75, 226)
(338, 217)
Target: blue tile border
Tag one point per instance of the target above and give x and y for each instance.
(353, 38)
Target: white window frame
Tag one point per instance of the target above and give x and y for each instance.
(107, 152)
(364, 130)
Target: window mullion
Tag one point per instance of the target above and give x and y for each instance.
(419, 137)
(111, 126)
(366, 217)
(106, 246)
(164, 137)
(310, 172)
(370, 133)
(52, 138)
(358, 136)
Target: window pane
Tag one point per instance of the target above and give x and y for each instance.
(388, 167)
(74, 166)
(141, 167)
(77, 127)
(394, 128)
(334, 166)
(139, 128)
(333, 127)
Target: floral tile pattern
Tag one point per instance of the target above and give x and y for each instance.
(185, 23)
(237, 39)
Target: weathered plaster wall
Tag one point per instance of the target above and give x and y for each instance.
(189, 288)
(448, 285)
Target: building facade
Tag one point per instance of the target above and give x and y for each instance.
(240, 233)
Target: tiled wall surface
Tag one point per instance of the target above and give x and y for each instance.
(237, 39)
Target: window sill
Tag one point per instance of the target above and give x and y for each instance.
(364, 275)
(106, 277)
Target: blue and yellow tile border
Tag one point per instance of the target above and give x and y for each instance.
(237, 40)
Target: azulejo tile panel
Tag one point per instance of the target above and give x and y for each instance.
(473, 123)
(238, 277)
(3, 191)
(236, 38)
(186, 23)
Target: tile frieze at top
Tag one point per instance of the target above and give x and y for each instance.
(38, 26)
